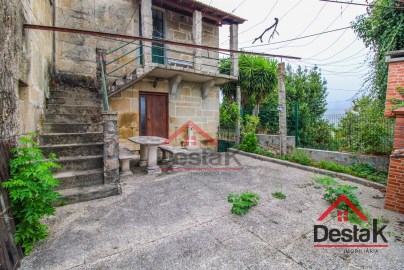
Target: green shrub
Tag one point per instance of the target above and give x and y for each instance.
(301, 157)
(242, 202)
(229, 114)
(251, 123)
(333, 193)
(264, 152)
(331, 166)
(325, 181)
(249, 143)
(279, 195)
(31, 188)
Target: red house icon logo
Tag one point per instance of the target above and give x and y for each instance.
(196, 128)
(343, 215)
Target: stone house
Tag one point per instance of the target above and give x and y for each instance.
(162, 87)
(51, 81)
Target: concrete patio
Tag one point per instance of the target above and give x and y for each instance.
(182, 220)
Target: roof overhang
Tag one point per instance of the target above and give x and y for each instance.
(210, 14)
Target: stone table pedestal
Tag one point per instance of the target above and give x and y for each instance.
(148, 151)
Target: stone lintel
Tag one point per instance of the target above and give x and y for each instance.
(174, 83)
(395, 56)
(206, 87)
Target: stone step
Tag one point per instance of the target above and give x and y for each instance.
(73, 93)
(78, 179)
(75, 195)
(68, 138)
(74, 150)
(74, 109)
(65, 118)
(71, 128)
(80, 163)
(75, 101)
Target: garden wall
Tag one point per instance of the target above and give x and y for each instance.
(273, 142)
(379, 162)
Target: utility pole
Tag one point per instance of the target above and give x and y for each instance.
(282, 108)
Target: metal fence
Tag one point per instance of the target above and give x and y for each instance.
(347, 133)
(339, 132)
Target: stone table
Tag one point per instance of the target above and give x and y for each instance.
(148, 151)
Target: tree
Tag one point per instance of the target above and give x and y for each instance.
(257, 79)
(305, 86)
(382, 30)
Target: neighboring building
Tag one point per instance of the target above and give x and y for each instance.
(395, 108)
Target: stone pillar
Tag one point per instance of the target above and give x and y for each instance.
(238, 127)
(234, 46)
(197, 37)
(100, 58)
(395, 91)
(147, 30)
(111, 148)
(282, 108)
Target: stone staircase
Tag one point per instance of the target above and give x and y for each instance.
(73, 130)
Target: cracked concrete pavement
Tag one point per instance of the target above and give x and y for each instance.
(182, 220)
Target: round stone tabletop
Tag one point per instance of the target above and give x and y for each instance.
(147, 140)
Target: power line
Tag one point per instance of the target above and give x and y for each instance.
(297, 38)
(267, 16)
(326, 27)
(305, 29)
(332, 44)
(362, 4)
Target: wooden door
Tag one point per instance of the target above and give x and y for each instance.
(154, 114)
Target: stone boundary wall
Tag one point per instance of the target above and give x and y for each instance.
(273, 142)
(379, 162)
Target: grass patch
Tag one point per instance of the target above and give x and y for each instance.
(242, 202)
(362, 170)
(279, 195)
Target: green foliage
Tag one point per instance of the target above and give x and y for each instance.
(257, 79)
(333, 193)
(300, 157)
(397, 103)
(331, 166)
(364, 129)
(381, 30)
(31, 188)
(325, 181)
(249, 143)
(264, 152)
(242, 202)
(279, 195)
(251, 123)
(229, 114)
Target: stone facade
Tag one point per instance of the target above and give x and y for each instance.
(76, 53)
(187, 105)
(395, 90)
(26, 66)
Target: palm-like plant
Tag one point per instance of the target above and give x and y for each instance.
(257, 79)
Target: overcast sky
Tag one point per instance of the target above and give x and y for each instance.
(340, 54)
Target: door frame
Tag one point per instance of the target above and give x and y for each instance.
(167, 112)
